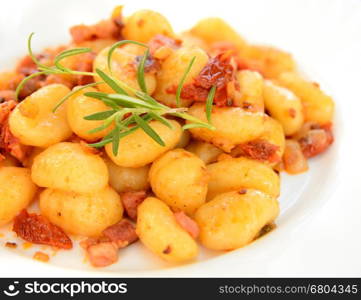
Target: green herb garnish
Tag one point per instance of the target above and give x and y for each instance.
(129, 109)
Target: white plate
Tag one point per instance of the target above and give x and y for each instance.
(318, 229)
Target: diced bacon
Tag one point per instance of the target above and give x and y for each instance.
(317, 140)
(187, 224)
(6, 95)
(102, 254)
(8, 142)
(131, 200)
(26, 66)
(103, 251)
(261, 150)
(38, 230)
(294, 161)
(122, 234)
(106, 29)
(85, 64)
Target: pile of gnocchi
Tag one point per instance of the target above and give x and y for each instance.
(216, 187)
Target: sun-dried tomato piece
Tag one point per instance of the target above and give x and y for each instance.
(38, 230)
(218, 72)
(260, 150)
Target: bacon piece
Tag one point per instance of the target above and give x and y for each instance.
(131, 200)
(187, 224)
(294, 161)
(122, 234)
(260, 150)
(102, 254)
(106, 29)
(85, 64)
(6, 95)
(103, 251)
(8, 142)
(26, 66)
(38, 230)
(316, 140)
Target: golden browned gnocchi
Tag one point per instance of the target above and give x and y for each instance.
(236, 173)
(68, 166)
(124, 179)
(124, 67)
(205, 151)
(250, 96)
(33, 121)
(159, 231)
(78, 107)
(213, 30)
(180, 179)
(82, 214)
(143, 25)
(235, 126)
(16, 192)
(284, 106)
(172, 71)
(318, 107)
(138, 149)
(174, 138)
(232, 220)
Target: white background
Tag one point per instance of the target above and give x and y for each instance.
(319, 230)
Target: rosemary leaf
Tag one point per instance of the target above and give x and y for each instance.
(74, 91)
(181, 83)
(160, 119)
(68, 53)
(115, 141)
(140, 72)
(118, 44)
(100, 115)
(148, 130)
(24, 81)
(111, 82)
(196, 125)
(209, 103)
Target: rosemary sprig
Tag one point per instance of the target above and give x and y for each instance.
(209, 103)
(129, 109)
(181, 83)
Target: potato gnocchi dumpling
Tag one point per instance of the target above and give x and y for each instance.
(159, 231)
(138, 149)
(33, 121)
(16, 192)
(80, 106)
(172, 71)
(250, 96)
(180, 179)
(205, 151)
(124, 64)
(236, 173)
(318, 107)
(213, 30)
(69, 166)
(235, 126)
(284, 106)
(124, 179)
(82, 214)
(232, 220)
(145, 24)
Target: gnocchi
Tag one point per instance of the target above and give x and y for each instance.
(82, 214)
(33, 121)
(232, 220)
(138, 149)
(160, 233)
(16, 192)
(68, 166)
(180, 179)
